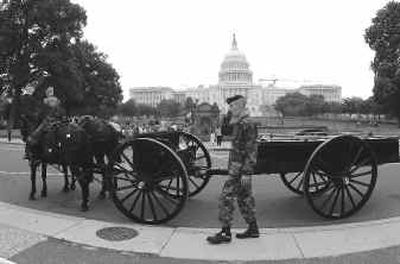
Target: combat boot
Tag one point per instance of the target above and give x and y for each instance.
(224, 236)
(251, 232)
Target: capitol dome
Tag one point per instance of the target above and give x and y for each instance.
(235, 68)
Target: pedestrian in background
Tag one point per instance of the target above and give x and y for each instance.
(212, 138)
(242, 159)
(218, 134)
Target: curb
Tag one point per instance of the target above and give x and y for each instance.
(273, 244)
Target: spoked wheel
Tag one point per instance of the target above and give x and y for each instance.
(197, 161)
(148, 181)
(346, 168)
(294, 181)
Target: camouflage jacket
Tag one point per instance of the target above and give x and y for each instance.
(244, 141)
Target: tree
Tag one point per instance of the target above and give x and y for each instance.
(43, 47)
(383, 36)
(128, 108)
(35, 36)
(143, 109)
(101, 91)
(332, 108)
(169, 108)
(314, 105)
(371, 107)
(352, 105)
(291, 104)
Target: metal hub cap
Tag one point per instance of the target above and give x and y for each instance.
(141, 185)
(346, 180)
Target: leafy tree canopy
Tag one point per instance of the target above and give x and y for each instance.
(169, 108)
(383, 36)
(41, 46)
(291, 104)
(131, 108)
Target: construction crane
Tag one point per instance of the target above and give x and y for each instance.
(274, 80)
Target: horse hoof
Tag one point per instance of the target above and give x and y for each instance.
(84, 208)
(73, 187)
(66, 189)
(32, 198)
(43, 194)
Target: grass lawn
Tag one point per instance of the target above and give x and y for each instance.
(292, 125)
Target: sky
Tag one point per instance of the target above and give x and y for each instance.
(182, 43)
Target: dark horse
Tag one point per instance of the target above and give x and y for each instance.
(103, 139)
(30, 119)
(82, 144)
(64, 144)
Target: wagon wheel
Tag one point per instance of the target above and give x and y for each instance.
(197, 161)
(149, 181)
(347, 165)
(294, 181)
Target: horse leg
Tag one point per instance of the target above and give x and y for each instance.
(44, 180)
(100, 161)
(83, 180)
(85, 194)
(66, 182)
(73, 180)
(33, 166)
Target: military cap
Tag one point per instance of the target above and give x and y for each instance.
(234, 98)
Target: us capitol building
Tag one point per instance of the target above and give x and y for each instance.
(235, 77)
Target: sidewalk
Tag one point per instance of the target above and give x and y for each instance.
(21, 228)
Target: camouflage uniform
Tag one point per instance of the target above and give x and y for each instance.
(242, 159)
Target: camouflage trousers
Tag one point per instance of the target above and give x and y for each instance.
(234, 189)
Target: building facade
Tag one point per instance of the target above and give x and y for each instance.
(331, 93)
(151, 95)
(234, 77)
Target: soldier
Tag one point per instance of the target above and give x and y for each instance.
(242, 160)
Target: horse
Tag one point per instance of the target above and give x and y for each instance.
(82, 143)
(30, 119)
(103, 139)
(67, 144)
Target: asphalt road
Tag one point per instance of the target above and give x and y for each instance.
(276, 205)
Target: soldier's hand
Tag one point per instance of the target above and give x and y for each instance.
(246, 181)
